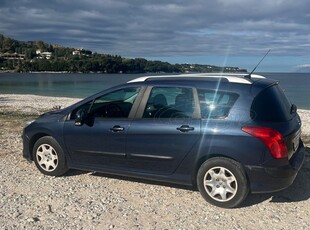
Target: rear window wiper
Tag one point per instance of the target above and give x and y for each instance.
(293, 109)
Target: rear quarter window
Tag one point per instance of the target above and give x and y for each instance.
(216, 104)
(271, 105)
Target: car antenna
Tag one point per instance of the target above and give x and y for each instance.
(249, 75)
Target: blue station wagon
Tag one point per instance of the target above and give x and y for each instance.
(227, 134)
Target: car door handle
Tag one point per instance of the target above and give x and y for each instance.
(185, 128)
(117, 128)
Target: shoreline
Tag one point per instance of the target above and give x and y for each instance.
(29, 104)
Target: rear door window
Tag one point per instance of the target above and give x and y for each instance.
(271, 105)
(170, 102)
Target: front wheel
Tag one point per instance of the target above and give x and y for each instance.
(49, 157)
(222, 182)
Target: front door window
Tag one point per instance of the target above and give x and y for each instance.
(116, 104)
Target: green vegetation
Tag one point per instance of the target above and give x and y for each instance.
(37, 56)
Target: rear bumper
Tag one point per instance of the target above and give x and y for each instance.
(272, 179)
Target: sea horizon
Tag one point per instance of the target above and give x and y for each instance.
(81, 85)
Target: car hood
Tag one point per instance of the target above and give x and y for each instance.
(53, 115)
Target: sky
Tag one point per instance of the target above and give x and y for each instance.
(217, 32)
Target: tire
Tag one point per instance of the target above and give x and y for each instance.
(49, 157)
(222, 182)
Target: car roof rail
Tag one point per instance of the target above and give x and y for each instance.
(230, 77)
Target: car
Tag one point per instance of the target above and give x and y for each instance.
(226, 134)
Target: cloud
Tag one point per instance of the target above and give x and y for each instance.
(304, 66)
(163, 28)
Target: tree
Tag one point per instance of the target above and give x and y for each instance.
(63, 60)
(9, 45)
(41, 45)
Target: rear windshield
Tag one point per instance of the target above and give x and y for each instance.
(271, 105)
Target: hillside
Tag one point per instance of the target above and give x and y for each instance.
(38, 56)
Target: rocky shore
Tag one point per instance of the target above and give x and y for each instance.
(89, 200)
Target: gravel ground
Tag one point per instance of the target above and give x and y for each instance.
(88, 200)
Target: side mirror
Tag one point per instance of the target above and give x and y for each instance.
(80, 117)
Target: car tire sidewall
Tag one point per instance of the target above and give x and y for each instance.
(236, 169)
(61, 166)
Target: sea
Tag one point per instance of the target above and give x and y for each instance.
(76, 85)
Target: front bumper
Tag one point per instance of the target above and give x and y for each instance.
(271, 179)
(26, 150)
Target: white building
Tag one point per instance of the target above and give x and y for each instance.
(46, 55)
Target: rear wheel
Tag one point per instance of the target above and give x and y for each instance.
(49, 157)
(222, 182)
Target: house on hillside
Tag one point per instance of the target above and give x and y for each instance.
(43, 55)
(13, 56)
(79, 52)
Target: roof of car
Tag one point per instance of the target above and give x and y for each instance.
(230, 77)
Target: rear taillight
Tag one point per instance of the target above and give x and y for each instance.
(271, 138)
